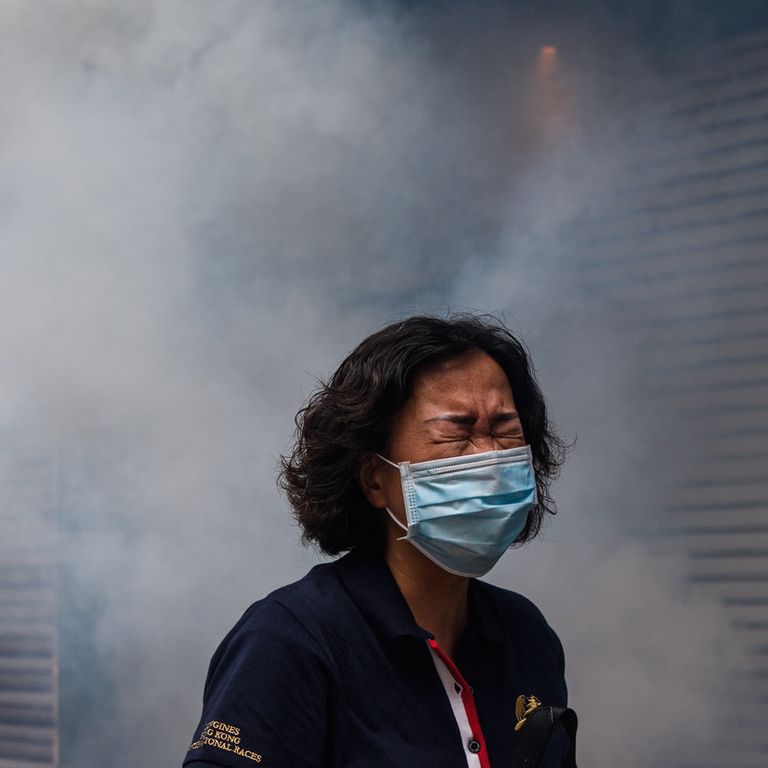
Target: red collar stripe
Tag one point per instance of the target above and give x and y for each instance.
(474, 746)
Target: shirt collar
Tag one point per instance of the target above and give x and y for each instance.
(483, 613)
(373, 589)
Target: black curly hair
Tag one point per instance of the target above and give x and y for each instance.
(351, 416)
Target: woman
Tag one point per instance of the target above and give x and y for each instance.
(424, 458)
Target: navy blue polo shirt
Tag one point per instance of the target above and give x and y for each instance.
(334, 671)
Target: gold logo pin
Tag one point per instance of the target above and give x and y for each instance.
(523, 707)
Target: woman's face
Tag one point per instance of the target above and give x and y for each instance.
(459, 406)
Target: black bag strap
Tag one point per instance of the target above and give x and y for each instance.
(532, 737)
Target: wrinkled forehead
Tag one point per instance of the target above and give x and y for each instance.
(470, 381)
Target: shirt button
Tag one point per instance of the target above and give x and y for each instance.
(473, 746)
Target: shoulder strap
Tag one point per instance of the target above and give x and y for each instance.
(531, 740)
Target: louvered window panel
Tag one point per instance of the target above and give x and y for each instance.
(28, 612)
(680, 258)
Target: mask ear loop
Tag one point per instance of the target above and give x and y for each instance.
(389, 511)
(391, 463)
(397, 522)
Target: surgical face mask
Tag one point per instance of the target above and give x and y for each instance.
(464, 512)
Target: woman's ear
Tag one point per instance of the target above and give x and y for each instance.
(371, 479)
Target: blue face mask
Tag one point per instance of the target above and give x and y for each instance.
(464, 512)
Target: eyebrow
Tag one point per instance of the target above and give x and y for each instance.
(467, 419)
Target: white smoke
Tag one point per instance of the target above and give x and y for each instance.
(203, 206)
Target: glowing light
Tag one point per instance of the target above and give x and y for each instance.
(547, 61)
(546, 105)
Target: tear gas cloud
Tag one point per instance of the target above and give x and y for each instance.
(203, 206)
